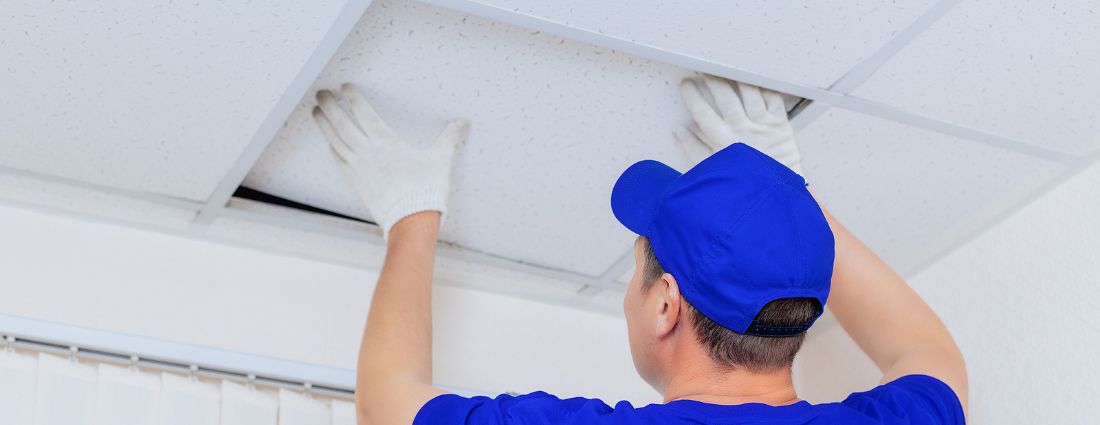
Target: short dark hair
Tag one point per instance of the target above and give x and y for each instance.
(731, 349)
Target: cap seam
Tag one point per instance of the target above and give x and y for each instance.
(760, 157)
(770, 165)
(798, 240)
(712, 247)
(706, 260)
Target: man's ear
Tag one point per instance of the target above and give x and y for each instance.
(668, 304)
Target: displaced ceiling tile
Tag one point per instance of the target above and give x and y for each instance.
(554, 122)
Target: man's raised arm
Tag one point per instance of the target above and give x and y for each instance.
(405, 189)
(889, 321)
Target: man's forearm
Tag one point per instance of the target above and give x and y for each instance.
(395, 358)
(881, 312)
(405, 188)
(887, 318)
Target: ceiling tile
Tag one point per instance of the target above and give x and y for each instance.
(1023, 70)
(909, 193)
(813, 43)
(147, 96)
(554, 123)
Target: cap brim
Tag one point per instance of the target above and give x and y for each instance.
(638, 193)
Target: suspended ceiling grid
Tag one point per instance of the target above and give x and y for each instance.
(899, 141)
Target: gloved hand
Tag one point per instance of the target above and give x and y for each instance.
(757, 117)
(394, 178)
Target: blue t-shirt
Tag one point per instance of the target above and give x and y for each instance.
(909, 400)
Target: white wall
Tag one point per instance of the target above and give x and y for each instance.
(1021, 300)
(169, 287)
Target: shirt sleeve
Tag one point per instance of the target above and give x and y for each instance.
(911, 399)
(534, 408)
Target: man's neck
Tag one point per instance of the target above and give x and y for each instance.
(703, 381)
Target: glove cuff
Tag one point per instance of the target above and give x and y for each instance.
(427, 199)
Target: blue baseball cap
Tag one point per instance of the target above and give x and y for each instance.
(737, 231)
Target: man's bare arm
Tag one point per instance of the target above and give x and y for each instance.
(890, 321)
(395, 358)
(405, 188)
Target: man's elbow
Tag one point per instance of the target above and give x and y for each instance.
(366, 407)
(370, 399)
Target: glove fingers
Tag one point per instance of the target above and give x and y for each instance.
(774, 101)
(699, 136)
(786, 154)
(755, 108)
(342, 124)
(709, 122)
(369, 120)
(338, 157)
(694, 149)
(339, 148)
(729, 105)
(455, 133)
(785, 150)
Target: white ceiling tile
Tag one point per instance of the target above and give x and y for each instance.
(813, 43)
(1022, 70)
(554, 123)
(148, 96)
(910, 193)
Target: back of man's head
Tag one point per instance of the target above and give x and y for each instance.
(728, 349)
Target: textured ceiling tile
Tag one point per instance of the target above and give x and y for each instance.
(813, 43)
(1023, 70)
(149, 96)
(554, 123)
(910, 193)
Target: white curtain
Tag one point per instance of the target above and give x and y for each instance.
(298, 409)
(17, 388)
(247, 406)
(45, 389)
(343, 413)
(66, 392)
(186, 401)
(126, 397)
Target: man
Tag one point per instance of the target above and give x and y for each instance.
(735, 260)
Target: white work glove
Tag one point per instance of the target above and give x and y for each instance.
(394, 178)
(757, 117)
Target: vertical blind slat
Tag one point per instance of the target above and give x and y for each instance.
(188, 402)
(246, 406)
(298, 409)
(126, 397)
(18, 376)
(343, 413)
(65, 393)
